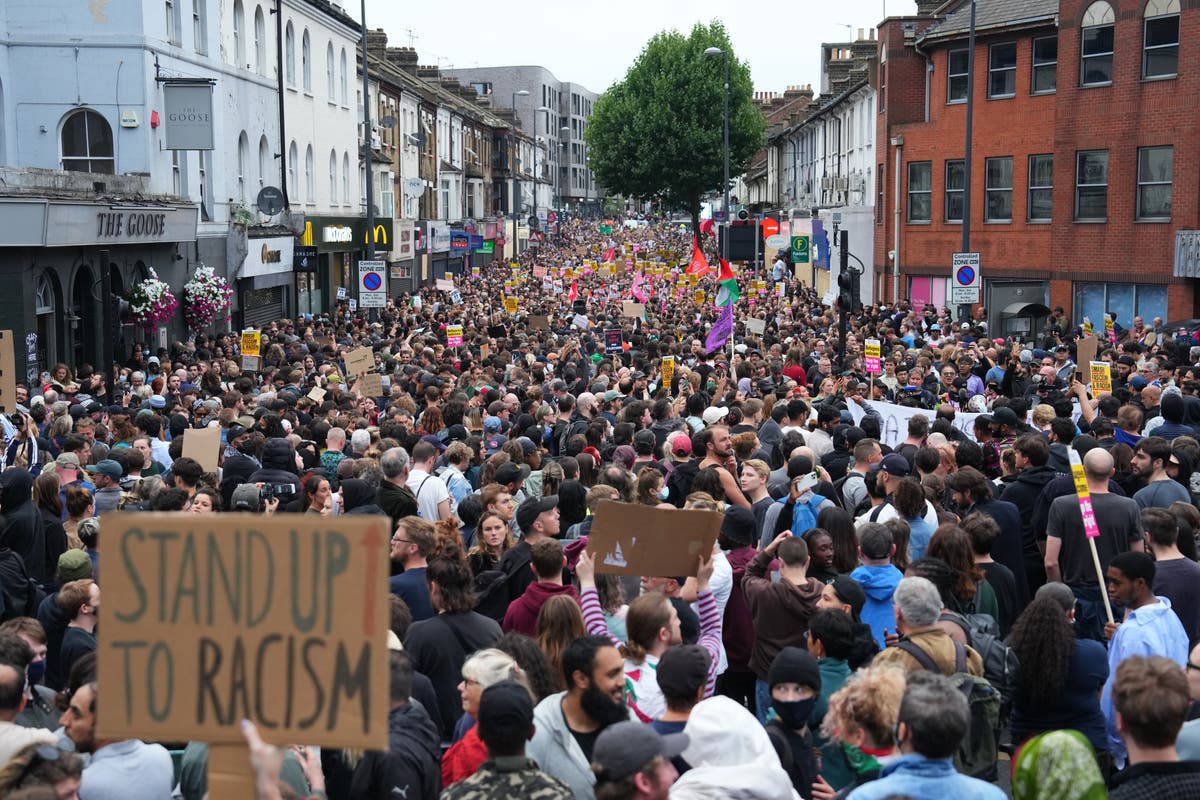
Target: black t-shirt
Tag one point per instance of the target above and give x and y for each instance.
(1119, 520)
(1178, 580)
(1004, 584)
(586, 741)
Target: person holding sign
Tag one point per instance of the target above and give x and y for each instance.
(1068, 556)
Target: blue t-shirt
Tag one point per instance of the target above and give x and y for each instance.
(410, 587)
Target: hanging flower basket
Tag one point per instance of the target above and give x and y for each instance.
(152, 303)
(206, 297)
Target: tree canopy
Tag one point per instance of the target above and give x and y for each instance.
(658, 135)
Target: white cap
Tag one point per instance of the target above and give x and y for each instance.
(713, 415)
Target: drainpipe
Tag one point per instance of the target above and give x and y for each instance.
(898, 143)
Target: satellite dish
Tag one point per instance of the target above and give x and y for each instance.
(388, 121)
(270, 200)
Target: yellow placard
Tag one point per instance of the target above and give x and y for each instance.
(668, 370)
(510, 305)
(250, 340)
(699, 296)
(871, 348)
(1101, 377)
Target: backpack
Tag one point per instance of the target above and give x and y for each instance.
(977, 753)
(1000, 662)
(20, 594)
(862, 506)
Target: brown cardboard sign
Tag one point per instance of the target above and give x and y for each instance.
(1085, 353)
(360, 359)
(204, 445)
(316, 394)
(211, 619)
(629, 539)
(8, 373)
(636, 310)
(537, 322)
(370, 385)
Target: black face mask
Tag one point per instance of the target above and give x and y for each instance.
(600, 707)
(794, 714)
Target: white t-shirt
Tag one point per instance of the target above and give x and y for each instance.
(429, 493)
(889, 512)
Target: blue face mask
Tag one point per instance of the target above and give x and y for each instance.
(663, 493)
(36, 671)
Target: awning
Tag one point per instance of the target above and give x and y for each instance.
(1025, 310)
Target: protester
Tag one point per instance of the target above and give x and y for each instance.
(1150, 697)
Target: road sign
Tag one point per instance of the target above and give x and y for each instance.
(800, 249)
(372, 284)
(964, 268)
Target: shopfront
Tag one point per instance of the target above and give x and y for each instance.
(339, 244)
(264, 280)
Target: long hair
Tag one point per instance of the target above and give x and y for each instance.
(648, 614)
(453, 579)
(840, 527)
(480, 547)
(46, 492)
(559, 623)
(1043, 640)
(951, 544)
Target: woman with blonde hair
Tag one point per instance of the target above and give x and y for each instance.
(483, 669)
(552, 478)
(860, 724)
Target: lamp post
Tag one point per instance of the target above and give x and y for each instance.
(538, 112)
(712, 52)
(516, 182)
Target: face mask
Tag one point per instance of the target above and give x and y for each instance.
(795, 713)
(36, 671)
(662, 493)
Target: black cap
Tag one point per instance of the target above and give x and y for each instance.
(509, 472)
(626, 747)
(505, 711)
(850, 592)
(531, 509)
(457, 433)
(794, 665)
(1005, 416)
(682, 670)
(739, 525)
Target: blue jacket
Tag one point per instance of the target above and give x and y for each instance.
(879, 583)
(924, 778)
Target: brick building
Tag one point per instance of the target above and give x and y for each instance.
(1085, 156)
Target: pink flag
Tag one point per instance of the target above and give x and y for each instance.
(636, 289)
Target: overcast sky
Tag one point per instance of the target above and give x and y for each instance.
(593, 43)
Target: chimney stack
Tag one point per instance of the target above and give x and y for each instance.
(405, 58)
(377, 43)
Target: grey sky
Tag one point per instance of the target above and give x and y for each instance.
(593, 43)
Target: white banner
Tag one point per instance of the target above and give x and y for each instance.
(893, 423)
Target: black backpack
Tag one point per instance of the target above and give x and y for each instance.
(862, 506)
(1000, 662)
(19, 593)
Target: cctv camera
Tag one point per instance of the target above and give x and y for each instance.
(891, 255)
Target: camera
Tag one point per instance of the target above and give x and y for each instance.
(280, 491)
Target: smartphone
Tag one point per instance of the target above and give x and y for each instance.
(807, 482)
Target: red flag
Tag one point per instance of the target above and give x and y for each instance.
(574, 291)
(699, 264)
(609, 255)
(706, 226)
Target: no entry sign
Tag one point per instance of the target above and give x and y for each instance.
(372, 289)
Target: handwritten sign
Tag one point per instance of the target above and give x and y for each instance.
(636, 310)
(359, 360)
(510, 305)
(316, 394)
(370, 385)
(444, 285)
(209, 620)
(1101, 377)
(204, 445)
(250, 343)
(454, 335)
(871, 352)
(630, 539)
(756, 326)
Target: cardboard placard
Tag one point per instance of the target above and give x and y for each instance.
(756, 326)
(8, 373)
(250, 343)
(359, 360)
(204, 445)
(370, 385)
(637, 310)
(1101, 377)
(250, 363)
(317, 394)
(444, 285)
(537, 322)
(1085, 353)
(209, 619)
(629, 539)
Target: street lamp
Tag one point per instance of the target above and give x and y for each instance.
(538, 112)
(713, 52)
(516, 182)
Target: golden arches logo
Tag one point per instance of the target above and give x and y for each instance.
(381, 235)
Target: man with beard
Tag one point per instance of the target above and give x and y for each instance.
(718, 452)
(567, 724)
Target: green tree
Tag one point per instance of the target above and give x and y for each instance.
(658, 135)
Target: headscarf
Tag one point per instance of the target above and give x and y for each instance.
(1059, 765)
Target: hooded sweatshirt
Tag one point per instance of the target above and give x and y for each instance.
(278, 465)
(732, 756)
(522, 613)
(879, 582)
(410, 767)
(22, 530)
(781, 611)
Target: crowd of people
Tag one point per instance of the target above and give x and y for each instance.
(922, 615)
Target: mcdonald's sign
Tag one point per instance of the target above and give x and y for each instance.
(381, 236)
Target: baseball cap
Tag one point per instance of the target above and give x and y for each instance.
(457, 433)
(246, 498)
(107, 467)
(714, 414)
(157, 401)
(531, 509)
(491, 424)
(505, 711)
(67, 460)
(682, 669)
(611, 394)
(509, 472)
(682, 446)
(493, 445)
(74, 565)
(738, 525)
(1005, 416)
(1137, 383)
(435, 441)
(895, 464)
(626, 747)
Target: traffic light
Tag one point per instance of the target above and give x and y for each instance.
(846, 291)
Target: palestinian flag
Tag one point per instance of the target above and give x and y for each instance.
(727, 287)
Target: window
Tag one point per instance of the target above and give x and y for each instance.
(956, 76)
(1155, 167)
(264, 161)
(329, 87)
(293, 167)
(920, 190)
(243, 159)
(176, 173)
(998, 184)
(239, 41)
(345, 79)
(306, 61)
(1126, 300)
(87, 143)
(172, 22)
(260, 41)
(879, 196)
(882, 77)
(345, 179)
(1041, 187)
(198, 37)
(1160, 39)
(289, 54)
(955, 185)
(205, 189)
(1091, 185)
(1002, 70)
(309, 168)
(1045, 65)
(1096, 45)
